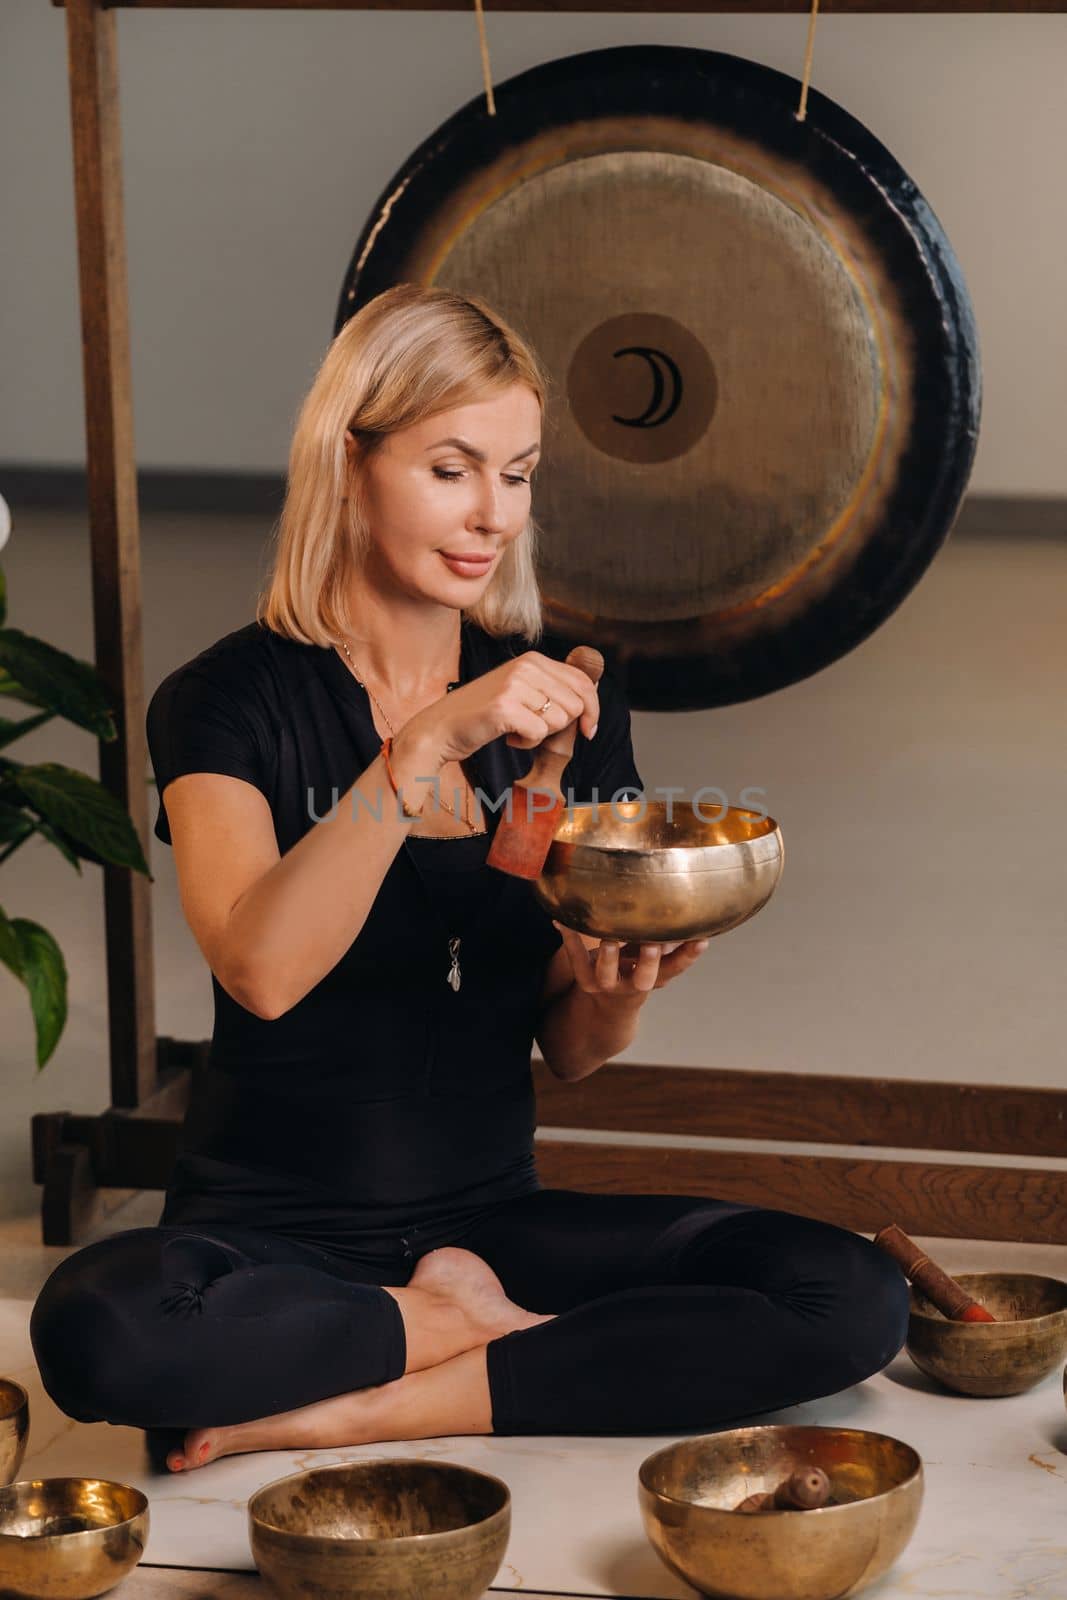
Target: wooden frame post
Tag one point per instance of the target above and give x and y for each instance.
(113, 528)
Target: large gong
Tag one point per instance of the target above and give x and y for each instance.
(763, 353)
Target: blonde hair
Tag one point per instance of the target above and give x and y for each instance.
(410, 352)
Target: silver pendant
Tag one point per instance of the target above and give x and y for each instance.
(454, 976)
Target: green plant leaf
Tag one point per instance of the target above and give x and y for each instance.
(14, 823)
(83, 810)
(33, 956)
(67, 686)
(9, 781)
(74, 853)
(10, 731)
(10, 954)
(16, 826)
(14, 833)
(17, 691)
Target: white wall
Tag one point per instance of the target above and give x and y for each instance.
(256, 143)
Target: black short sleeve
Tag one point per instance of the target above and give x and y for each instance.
(194, 724)
(607, 761)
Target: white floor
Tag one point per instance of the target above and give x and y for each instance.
(993, 1525)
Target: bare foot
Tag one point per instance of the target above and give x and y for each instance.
(341, 1420)
(464, 1278)
(307, 1428)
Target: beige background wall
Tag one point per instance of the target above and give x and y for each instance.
(256, 144)
(919, 930)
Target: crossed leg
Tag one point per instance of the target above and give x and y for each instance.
(192, 1334)
(668, 1312)
(646, 1313)
(453, 1299)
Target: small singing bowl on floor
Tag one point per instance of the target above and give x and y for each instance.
(384, 1529)
(1026, 1343)
(689, 1492)
(14, 1428)
(623, 870)
(69, 1538)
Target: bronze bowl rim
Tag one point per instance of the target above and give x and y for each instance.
(390, 1541)
(619, 811)
(21, 1540)
(990, 1329)
(12, 1383)
(906, 1485)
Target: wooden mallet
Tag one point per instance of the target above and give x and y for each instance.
(523, 838)
(950, 1298)
(804, 1490)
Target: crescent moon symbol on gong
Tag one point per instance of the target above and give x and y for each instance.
(608, 387)
(652, 416)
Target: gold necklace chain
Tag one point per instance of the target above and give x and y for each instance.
(441, 800)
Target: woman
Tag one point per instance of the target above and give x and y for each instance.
(355, 1246)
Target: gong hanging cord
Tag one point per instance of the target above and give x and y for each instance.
(483, 45)
(809, 51)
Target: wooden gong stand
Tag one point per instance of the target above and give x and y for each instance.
(89, 1164)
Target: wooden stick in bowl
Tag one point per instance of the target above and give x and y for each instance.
(804, 1490)
(950, 1297)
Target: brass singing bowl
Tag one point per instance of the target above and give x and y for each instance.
(689, 1491)
(14, 1427)
(69, 1538)
(1025, 1344)
(385, 1529)
(625, 870)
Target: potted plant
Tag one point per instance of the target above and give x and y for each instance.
(72, 811)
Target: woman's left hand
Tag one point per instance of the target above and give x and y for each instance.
(614, 971)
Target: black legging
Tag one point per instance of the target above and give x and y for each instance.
(674, 1314)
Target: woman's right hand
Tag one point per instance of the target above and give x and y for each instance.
(506, 701)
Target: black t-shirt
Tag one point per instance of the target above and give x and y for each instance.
(383, 1091)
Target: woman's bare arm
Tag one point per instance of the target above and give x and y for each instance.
(271, 932)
